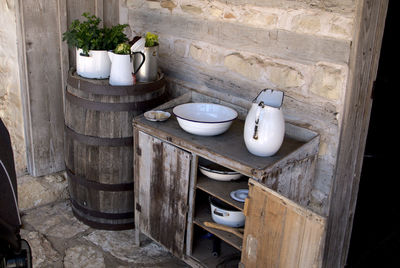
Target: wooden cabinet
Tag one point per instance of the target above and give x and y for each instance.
(171, 197)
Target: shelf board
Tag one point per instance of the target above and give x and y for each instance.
(202, 253)
(203, 214)
(222, 189)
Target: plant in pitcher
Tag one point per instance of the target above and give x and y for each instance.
(92, 43)
(151, 40)
(149, 47)
(121, 66)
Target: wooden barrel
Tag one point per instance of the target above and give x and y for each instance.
(99, 147)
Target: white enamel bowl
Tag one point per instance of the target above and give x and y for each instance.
(204, 119)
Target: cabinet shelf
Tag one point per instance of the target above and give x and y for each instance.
(202, 249)
(222, 189)
(203, 215)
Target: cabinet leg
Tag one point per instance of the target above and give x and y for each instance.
(137, 237)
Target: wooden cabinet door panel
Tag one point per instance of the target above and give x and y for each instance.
(280, 233)
(161, 191)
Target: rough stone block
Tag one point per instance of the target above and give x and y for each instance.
(284, 76)
(190, 9)
(168, 4)
(260, 19)
(37, 191)
(83, 256)
(248, 68)
(205, 55)
(153, 4)
(119, 244)
(10, 98)
(327, 82)
(215, 11)
(43, 253)
(55, 220)
(306, 23)
(180, 48)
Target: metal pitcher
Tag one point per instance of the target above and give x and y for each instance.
(148, 72)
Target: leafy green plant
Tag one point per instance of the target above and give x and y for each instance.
(123, 48)
(151, 40)
(87, 35)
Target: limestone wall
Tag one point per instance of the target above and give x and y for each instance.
(236, 48)
(10, 98)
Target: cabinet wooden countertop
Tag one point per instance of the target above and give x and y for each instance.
(228, 149)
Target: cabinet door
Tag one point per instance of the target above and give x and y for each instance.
(161, 191)
(280, 233)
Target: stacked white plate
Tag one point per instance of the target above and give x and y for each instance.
(217, 172)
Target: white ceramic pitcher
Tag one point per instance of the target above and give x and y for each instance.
(264, 127)
(121, 69)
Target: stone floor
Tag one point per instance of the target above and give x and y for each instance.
(58, 239)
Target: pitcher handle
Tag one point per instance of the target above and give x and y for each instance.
(257, 119)
(141, 64)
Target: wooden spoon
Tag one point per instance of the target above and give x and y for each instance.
(235, 231)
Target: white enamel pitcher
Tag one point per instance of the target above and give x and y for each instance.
(121, 73)
(264, 127)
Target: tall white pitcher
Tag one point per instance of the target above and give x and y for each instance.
(121, 69)
(264, 127)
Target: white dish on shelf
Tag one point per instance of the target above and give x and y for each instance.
(157, 116)
(240, 195)
(225, 214)
(204, 119)
(217, 172)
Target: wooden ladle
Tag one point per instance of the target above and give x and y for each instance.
(235, 231)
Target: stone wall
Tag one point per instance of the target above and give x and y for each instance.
(236, 48)
(10, 98)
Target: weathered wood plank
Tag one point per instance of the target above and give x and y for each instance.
(110, 12)
(162, 171)
(364, 61)
(280, 233)
(342, 6)
(39, 27)
(191, 204)
(273, 43)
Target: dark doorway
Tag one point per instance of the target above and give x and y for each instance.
(375, 240)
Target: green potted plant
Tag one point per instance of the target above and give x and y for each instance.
(149, 70)
(92, 44)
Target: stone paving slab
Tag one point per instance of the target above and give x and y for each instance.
(39, 191)
(58, 239)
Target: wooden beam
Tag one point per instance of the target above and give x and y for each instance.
(364, 59)
(273, 43)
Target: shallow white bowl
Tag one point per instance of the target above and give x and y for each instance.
(220, 176)
(216, 171)
(204, 119)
